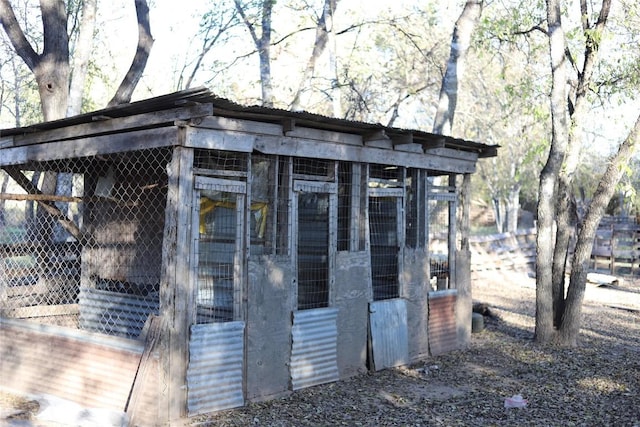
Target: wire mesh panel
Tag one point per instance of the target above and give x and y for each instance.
(219, 249)
(315, 242)
(81, 240)
(441, 206)
(313, 250)
(385, 245)
(386, 234)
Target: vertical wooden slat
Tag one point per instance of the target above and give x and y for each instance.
(176, 287)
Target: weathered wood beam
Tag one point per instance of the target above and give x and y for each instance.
(93, 145)
(288, 125)
(40, 198)
(104, 124)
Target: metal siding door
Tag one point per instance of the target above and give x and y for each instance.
(443, 332)
(389, 334)
(314, 349)
(314, 343)
(216, 367)
(215, 375)
(388, 312)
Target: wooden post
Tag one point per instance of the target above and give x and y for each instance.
(452, 234)
(176, 286)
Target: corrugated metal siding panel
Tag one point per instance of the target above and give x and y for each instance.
(92, 370)
(443, 334)
(389, 334)
(115, 313)
(215, 373)
(314, 351)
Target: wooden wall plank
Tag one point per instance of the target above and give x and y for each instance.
(91, 146)
(112, 125)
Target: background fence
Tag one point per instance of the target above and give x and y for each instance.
(616, 249)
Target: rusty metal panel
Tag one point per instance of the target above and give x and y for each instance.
(92, 370)
(216, 366)
(314, 351)
(389, 333)
(443, 334)
(115, 313)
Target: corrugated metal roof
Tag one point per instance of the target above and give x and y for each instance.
(226, 108)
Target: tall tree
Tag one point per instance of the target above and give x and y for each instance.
(215, 29)
(86, 20)
(460, 43)
(324, 28)
(145, 42)
(51, 67)
(558, 318)
(262, 42)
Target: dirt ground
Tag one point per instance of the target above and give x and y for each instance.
(595, 384)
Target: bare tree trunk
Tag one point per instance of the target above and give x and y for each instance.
(81, 55)
(51, 68)
(512, 208)
(145, 42)
(465, 25)
(336, 91)
(263, 45)
(498, 214)
(571, 319)
(578, 104)
(323, 27)
(549, 175)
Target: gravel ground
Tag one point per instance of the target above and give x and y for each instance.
(595, 384)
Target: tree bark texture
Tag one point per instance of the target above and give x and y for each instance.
(549, 175)
(578, 106)
(460, 41)
(81, 55)
(51, 67)
(145, 42)
(571, 319)
(263, 46)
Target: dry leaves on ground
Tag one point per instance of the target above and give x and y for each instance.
(596, 384)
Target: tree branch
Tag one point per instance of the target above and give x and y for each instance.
(145, 42)
(16, 36)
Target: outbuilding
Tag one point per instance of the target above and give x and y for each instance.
(186, 254)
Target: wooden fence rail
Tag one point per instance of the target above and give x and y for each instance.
(616, 249)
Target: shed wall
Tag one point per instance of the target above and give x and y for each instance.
(268, 327)
(353, 293)
(415, 291)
